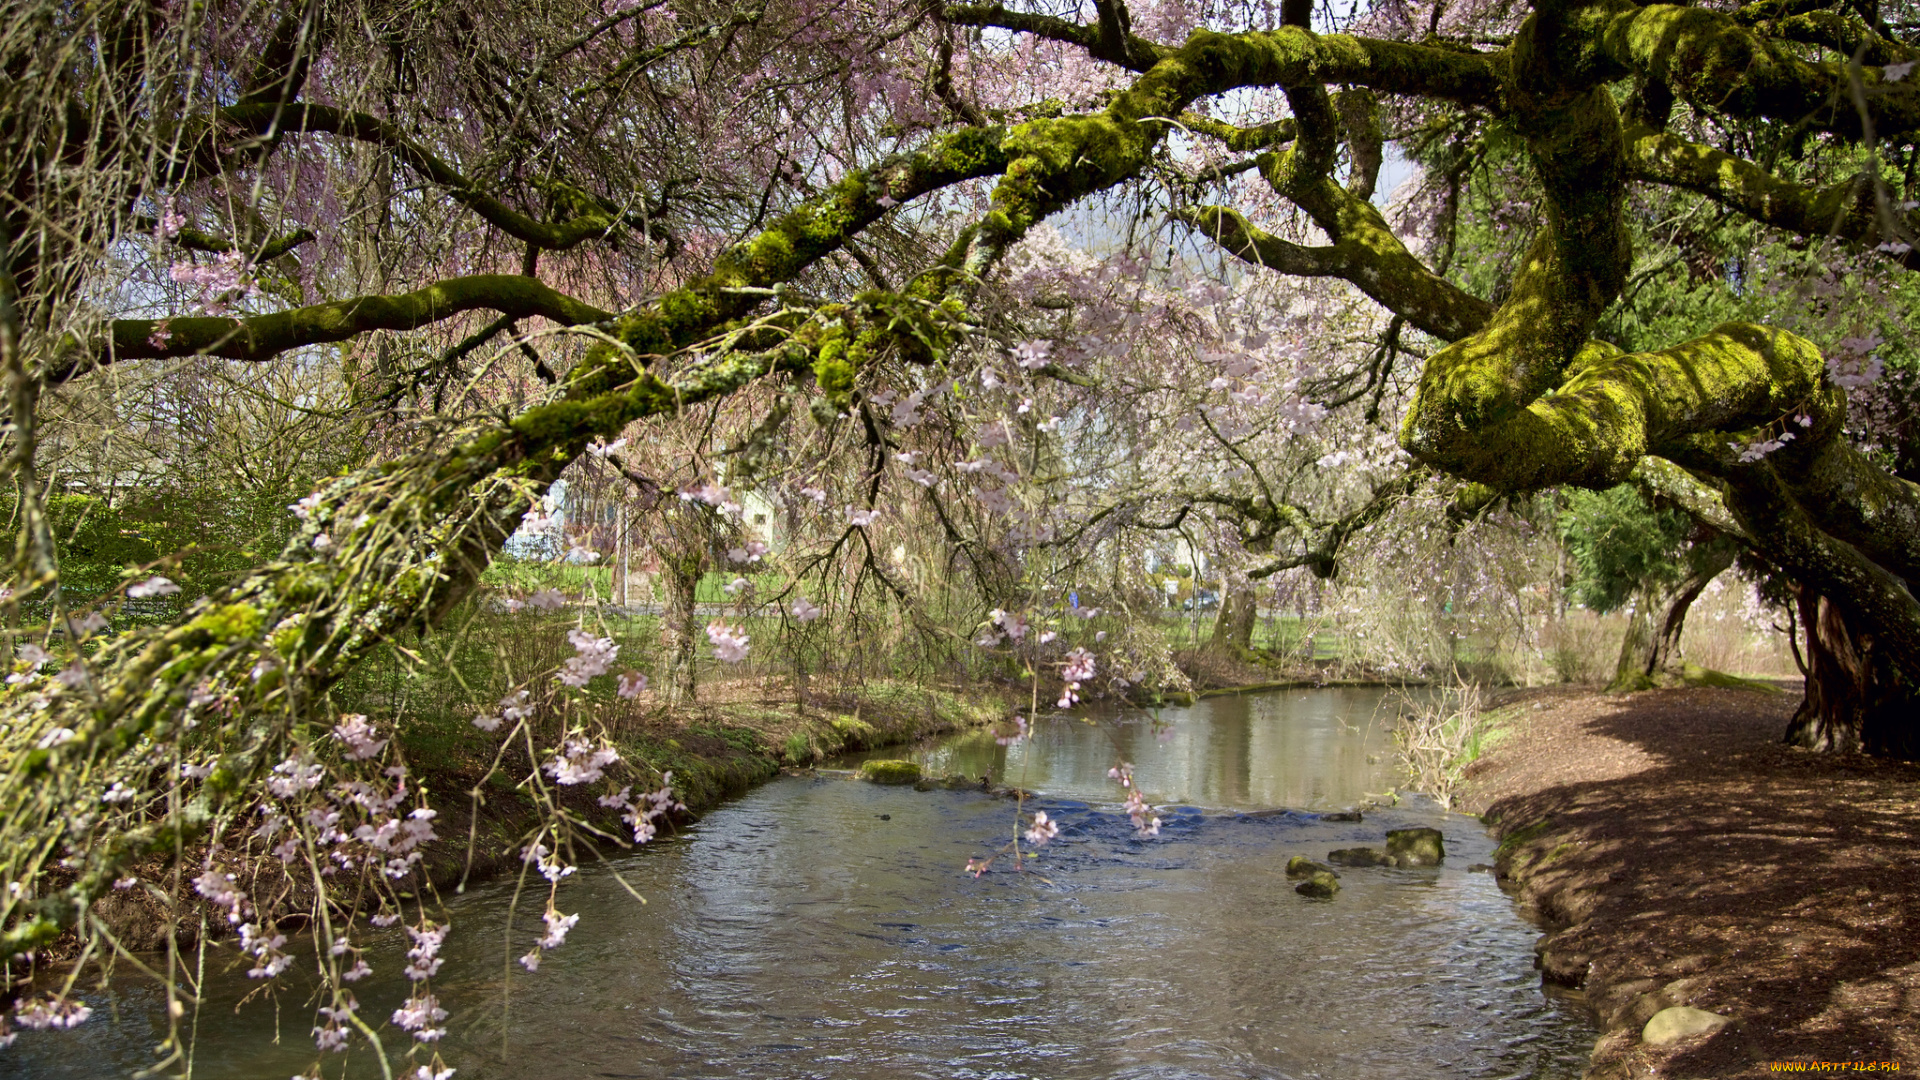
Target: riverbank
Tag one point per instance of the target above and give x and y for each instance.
(1679, 855)
(716, 749)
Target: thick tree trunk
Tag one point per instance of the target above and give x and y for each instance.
(1857, 698)
(681, 576)
(1650, 653)
(1233, 625)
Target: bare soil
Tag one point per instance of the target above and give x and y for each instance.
(1679, 854)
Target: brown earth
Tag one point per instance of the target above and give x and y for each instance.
(1680, 855)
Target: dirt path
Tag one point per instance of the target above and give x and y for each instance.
(1684, 857)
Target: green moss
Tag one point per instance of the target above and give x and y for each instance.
(1522, 836)
(852, 729)
(229, 623)
(890, 772)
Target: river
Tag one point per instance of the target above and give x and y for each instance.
(823, 927)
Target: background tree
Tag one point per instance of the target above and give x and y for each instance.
(1654, 561)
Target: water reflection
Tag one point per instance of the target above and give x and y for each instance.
(822, 928)
(1308, 749)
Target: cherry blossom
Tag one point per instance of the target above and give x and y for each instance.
(153, 586)
(424, 958)
(750, 552)
(513, 708)
(860, 519)
(1043, 830)
(547, 600)
(729, 644)
(805, 610)
(1020, 731)
(591, 657)
(630, 684)
(57, 1013)
(581, 762)
(419, 1015)
(358, 736)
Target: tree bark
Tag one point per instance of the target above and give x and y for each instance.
(1650, 653)
(681, 575)
(1857, 698)
(1233, 625)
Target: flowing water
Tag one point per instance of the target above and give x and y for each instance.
(821, 927)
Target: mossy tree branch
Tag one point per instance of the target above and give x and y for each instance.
(1711, 60)
(1844, 209)
(262, 337)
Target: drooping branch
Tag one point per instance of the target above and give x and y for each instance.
(592, 217)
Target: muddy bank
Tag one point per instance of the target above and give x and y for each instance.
(1678, 855)
(715, 751)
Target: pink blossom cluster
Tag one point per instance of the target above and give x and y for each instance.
(591, 657)
(221, 282)
(557, 927)
(714, 495)
(52, 1013)
(729, 643)
(1020, 731)
(424, 959)
(357, 735)
(549, 863)
(267, 949)
(333, 1034)
(515, 707)
(1078, 669)
(153, 586)
(580, 762)
(1042, 830)
(419, 1015)
(650, 807)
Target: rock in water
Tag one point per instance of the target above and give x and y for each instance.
(1344, 815)
(890, 772)
(1681, 1022)
(1359, 856)
(1302, 867)
(1415, 847)
(1321, 886)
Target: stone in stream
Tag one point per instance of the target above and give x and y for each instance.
(1320, 886)
(1681, 1022)
(1344, 815)
(890, 772)
(1359, 856)
(1416, 847)
(1302, 867)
